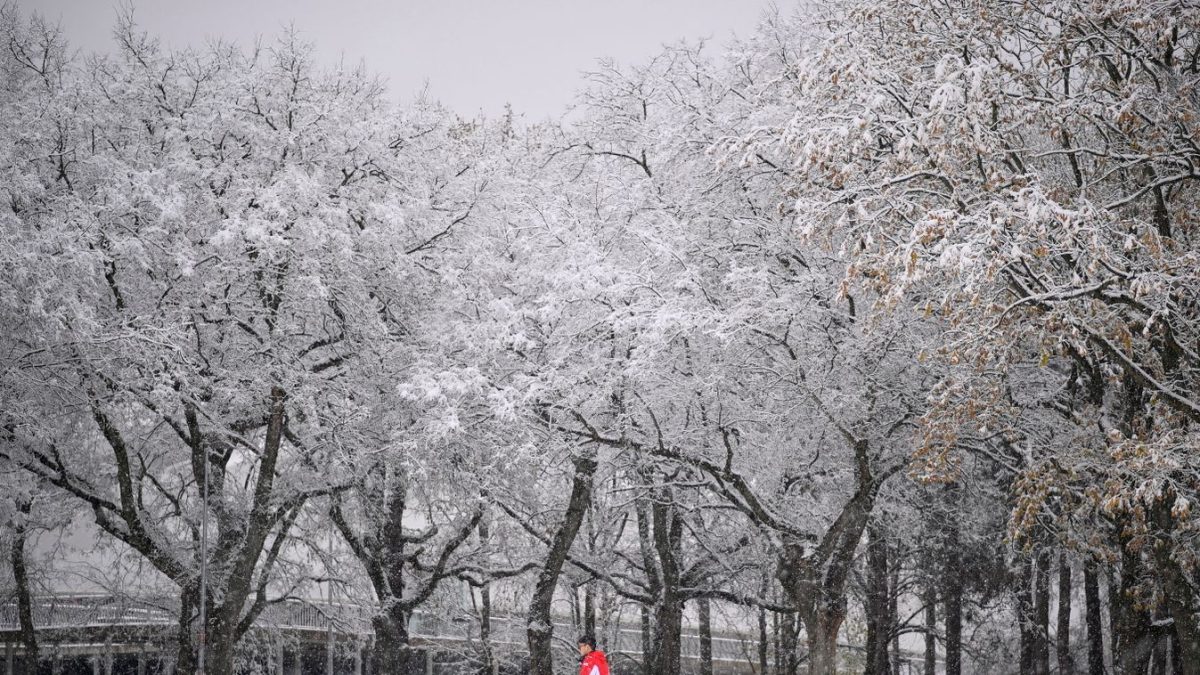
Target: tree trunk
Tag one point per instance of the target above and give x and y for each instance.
(763, 641)
(539, 625)
(1062, 633)
(705, 611)
(21, 579)
(1131, 624)
(485, 610)
(1025, 611)
(1180, 602)
(668, 630)
(485, 630)
(1178, 593)
(185, 655)
(815, 581)
(393, 652)
(1093, 620)
(645, 525)
(1176, 654)
(647, 640)
(954, 602)
(1041, 615)
(222, 646)
(822, 629)
(877, 606)
(668, 624)
(589, 589)
(930, 629)
(1158, 653)
(235, 556)
(893, 618)
(589, 609)
(789, 625)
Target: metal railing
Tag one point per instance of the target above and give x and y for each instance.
(96, 610)
(88, 611)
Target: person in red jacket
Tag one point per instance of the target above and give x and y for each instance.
(591, 660)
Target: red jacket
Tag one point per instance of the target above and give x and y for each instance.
(594, 664)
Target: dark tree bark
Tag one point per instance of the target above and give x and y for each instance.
(1179, 596)
(1180, 601)
(240, 545)
(931, 602)
(21, 579)
(815, 580)
(647, 640)
(589, 590)
(1093, 620)
(877, 605)
(485, 630)
(1041, 614)
(1025, 611)
(705, 616)
(589, 609)
(1158, 653)
(539, 625)
(240, 559)
(1062, 633)
(1176, 654)
(1131, 623)
(893, 619)
(389, 554)
(668, 623)
(485, 611)
(645, 525)
(188, 607)
(954, 601)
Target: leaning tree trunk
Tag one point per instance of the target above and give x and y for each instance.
(540, 628)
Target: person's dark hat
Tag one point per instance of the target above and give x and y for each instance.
(587, 639)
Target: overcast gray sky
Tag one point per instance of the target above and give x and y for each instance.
(475, 54)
